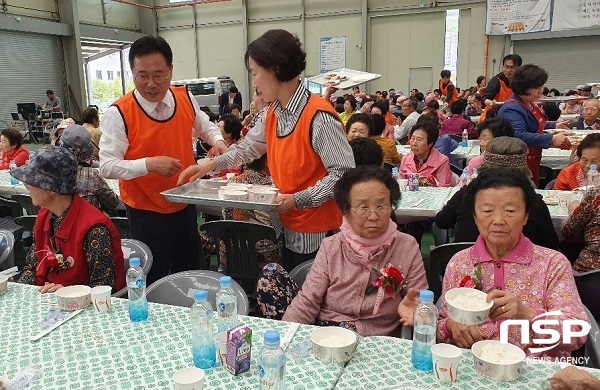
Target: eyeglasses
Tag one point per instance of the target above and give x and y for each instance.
(364, 211)
(146, 79)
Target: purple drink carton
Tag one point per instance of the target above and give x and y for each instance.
(239, 347)
(413, 182)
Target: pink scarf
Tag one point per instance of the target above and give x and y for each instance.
(365, 248)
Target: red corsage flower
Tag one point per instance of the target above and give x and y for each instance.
(389, 281)
(473, 281)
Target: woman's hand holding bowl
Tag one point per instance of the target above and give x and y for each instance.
(508, 306)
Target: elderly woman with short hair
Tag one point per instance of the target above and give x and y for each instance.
(337, 290)
(523, 280)
(575, 175)
(527, 119)
(12, 149)
(432, 166)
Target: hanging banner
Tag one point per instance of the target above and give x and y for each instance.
(517, 16)
(575, 14)
(333, 53)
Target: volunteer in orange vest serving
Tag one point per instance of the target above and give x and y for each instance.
(304, 140)
(146, 142)
(447, 88)
(498, 88)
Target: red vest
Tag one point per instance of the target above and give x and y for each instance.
(150, 137)
(295, 166)
(69, 240)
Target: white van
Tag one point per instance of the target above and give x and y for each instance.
(207, 90)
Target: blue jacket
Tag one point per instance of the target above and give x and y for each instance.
(525, 124)
(446, 145)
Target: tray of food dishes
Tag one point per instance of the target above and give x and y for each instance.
(575, 136)
(558, 99)
(344, 78)
(221, 193)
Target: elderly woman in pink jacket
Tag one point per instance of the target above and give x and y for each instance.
(343, 285)
(432, 166)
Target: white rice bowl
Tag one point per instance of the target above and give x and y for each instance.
(467, 306)
(497, 361)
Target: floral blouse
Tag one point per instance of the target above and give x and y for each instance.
(98, 253)
(583, 225)
(541, 278)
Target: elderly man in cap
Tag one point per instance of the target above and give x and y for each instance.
(91, 186)
(57, 132)
(585, 91)
(74, 243)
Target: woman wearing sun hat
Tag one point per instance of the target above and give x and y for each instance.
(73, 242)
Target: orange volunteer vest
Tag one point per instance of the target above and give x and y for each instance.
(504, 93)
(150, 137)
(444, 89)
(295, 166)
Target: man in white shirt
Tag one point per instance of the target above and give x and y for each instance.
(409, 109)
(146, 142)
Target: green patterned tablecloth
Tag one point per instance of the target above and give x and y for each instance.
(385, 363)
(8, 189)
(108, 351)
(424, 203)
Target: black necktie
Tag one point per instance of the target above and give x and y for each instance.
(589, 128)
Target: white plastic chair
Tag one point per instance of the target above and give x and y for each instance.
(175, 289)
(298, 274)
(7, 255)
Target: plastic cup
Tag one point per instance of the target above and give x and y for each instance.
(101, 299)
(403, 183)
(190, 378)
(221, 341)
(564, 197)
(446, 358)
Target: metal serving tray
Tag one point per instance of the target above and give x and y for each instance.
(205, 193)
(354, 78)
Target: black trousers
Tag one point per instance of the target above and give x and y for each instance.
(291, 259)
(172, 238)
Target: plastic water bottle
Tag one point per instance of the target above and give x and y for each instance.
(203, 343)
(271, 363)
(13, 181)
(592, 177)
(474, 174)
(136, 290)
(226, 305)
(465, 138)
(465, 178)
(395, 173)
(424, 332)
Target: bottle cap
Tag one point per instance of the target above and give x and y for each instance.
(134, 262)
(594, 166)
(225, 281)
(200, 295)
(466, 170)
(426, 296)
(272, 337)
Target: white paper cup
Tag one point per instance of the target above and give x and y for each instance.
(191, 378)
(221, 341)
(3, 285)
(403, 183)
(564, 197)
(446, 358)
(101, 299)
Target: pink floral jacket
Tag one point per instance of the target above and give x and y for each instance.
(540, 277)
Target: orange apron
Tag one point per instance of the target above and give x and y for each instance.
(534, 157)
